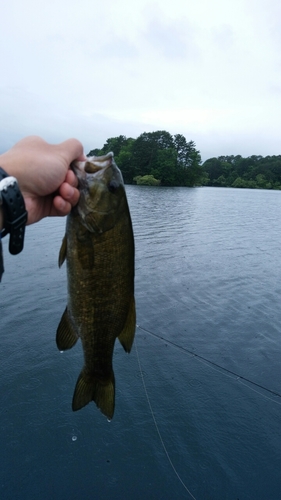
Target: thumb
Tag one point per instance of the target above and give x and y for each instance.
(71, 150)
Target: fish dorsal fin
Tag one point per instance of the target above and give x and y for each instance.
(126, 337)
(63, 249)
(66, 334)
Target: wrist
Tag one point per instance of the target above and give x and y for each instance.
(9, 165)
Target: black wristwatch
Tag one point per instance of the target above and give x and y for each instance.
(14, 212)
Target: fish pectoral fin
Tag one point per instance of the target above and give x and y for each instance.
(126, 337)
(66, 335)
(91, 388)
(63, 248)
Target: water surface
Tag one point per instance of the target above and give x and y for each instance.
(208, 280)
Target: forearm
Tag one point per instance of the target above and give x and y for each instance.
(1, 219)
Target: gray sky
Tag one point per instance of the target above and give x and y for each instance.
(210, 70)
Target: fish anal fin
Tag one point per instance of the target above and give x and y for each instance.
(63, 249)
(66, 335)
(126, 337)
(90, 388)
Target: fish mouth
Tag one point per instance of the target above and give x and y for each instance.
(99, 180)
(97, 163)
(93, 164)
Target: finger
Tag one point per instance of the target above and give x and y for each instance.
(71, 178)
(60, 207)
(69, 193)
(72, 149)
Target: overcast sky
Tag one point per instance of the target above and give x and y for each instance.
(94, 69)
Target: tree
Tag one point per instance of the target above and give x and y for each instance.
(171, 159)
(124, 161)
(213, 167)
(252, 172)
(165, 166)
(145, 150)
(186, 152)
(94, 152)
(114, 144)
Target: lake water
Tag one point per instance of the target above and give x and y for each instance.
(198, 400)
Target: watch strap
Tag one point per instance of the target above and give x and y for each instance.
(1, 260)
(15, 214)
(3, 174)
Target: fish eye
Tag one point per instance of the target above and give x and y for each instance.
(112, 187)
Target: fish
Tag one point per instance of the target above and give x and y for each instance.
(98, 247)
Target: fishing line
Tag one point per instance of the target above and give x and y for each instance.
(156, 425)
(217, 367)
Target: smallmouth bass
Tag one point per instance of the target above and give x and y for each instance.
(99, 250)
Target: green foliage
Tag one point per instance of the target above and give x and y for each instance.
(146, 180)
(173, 161)
(113, 144)
(165, 166)
(254, 172)
(145, 157)
(170, 160)
(94, 152)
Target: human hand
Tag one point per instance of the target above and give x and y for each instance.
(42, 170)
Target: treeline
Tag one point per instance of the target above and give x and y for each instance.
(156, 158)
(252, 172)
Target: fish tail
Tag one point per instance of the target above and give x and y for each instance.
(90, 388)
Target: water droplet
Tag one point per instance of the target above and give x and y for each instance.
(61, 352)
(74, 438)
(108, 419)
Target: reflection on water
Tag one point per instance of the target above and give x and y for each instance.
(207, 280)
